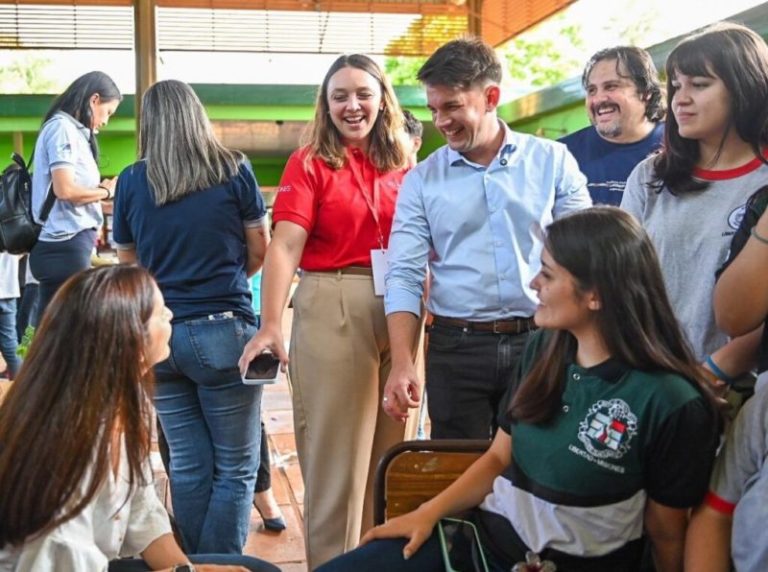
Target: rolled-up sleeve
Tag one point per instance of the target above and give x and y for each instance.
(742, 457)
(409, 246)
(571, 193)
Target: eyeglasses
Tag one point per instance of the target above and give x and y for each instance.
(461, 546)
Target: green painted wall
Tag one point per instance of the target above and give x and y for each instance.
(23, 113)
(117, 142)
(553, 124)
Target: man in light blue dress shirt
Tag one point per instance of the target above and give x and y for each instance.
(469, 212)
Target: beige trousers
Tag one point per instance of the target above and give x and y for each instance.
(339, 362)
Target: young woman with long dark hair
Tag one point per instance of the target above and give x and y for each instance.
(75, 435)
(692, 196)
(67, 162)
(608, 435)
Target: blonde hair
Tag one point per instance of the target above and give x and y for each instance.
(388, 149)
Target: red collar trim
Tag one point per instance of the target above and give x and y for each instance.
(736, 172)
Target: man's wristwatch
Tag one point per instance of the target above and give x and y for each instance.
(187, 567)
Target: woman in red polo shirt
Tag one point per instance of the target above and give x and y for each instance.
(334, 207)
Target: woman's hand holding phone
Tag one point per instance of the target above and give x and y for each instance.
(268, 338)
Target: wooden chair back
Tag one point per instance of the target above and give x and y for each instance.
(4, 387)
(413, 472)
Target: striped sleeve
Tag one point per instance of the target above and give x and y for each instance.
(742, 456)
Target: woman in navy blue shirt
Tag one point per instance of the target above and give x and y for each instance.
(191, 212)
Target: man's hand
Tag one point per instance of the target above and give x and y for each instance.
(401, 392)
(267, 338)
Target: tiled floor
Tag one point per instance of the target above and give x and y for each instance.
(285, 549)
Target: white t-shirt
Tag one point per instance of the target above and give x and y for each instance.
(9, 276)
(108, 528)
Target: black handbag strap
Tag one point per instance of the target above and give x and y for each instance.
(48, 204)
(50, 196)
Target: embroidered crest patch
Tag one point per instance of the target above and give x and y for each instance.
(608, 428)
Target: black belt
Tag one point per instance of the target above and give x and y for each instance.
(509, 326)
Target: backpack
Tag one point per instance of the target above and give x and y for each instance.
(18, 229)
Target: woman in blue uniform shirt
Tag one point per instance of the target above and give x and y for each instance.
(66, 162)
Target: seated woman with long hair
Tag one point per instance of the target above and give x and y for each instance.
(75, 435)
(608, 433)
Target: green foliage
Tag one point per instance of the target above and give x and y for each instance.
(402, 70)
(25, 73)
(545, 59)
(544, 56)
(26, 340)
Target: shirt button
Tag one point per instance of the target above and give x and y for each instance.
(566, 409)
(576, 376)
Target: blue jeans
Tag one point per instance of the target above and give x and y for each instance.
(211, 421)
(8, 342)
(387, 555)
(252, 564)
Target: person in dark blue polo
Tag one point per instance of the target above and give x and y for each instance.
(625, 105)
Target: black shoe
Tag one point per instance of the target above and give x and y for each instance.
(276, 524)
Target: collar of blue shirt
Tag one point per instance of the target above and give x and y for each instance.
(504, 155)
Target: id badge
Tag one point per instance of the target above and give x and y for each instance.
(379, 265)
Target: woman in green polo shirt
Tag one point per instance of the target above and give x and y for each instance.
(608, 435)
